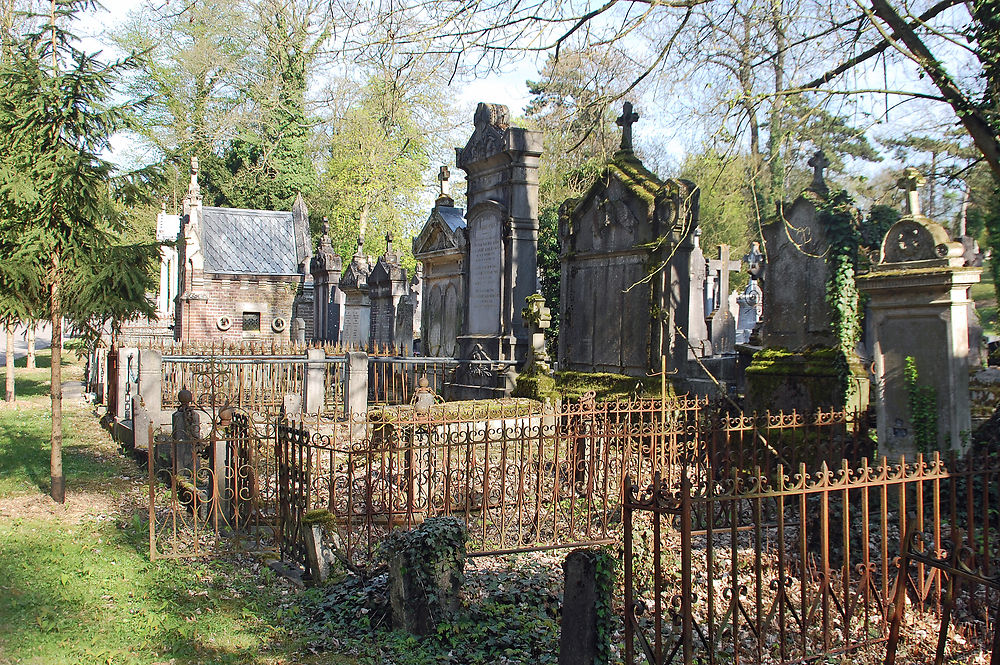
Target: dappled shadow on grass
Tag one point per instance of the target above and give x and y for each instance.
(25, 454)
(28, 386)
(88, 593)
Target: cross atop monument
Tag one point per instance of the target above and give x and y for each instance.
(194, 190)
(818, 162)
(625, 121)
(911, 183)
(388, 243)
(443, 175)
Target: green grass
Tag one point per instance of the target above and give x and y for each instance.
(76, 582)
(87, 593)
(24, 434)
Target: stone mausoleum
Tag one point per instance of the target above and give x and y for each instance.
(243, 274)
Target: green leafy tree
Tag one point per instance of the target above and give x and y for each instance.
(62, 204)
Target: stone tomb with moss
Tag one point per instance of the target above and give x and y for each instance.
(626, 284)
(811, 321)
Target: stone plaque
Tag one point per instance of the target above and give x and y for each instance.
(485, 248)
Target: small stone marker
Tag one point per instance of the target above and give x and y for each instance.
(578, 630)
(426, 573)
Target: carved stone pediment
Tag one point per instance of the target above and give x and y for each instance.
(438, 236)
(356, 274)
(917, 239)
(490, 136)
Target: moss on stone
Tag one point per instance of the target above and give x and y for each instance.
(318, 517)
(539, 387)
(573, 385)
(509, 407)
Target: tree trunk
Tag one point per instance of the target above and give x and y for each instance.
(55, 390)
(974, 118)
(30, 360)
(9, 392)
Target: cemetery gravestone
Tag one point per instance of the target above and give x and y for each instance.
(800, 365)
(501, 163)
(328, 299)
(919, 309)
(442, 249)
(387, 283)
(354, 285)
(629, 266)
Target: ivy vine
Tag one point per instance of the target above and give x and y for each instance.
(604, 564)
(438, 541)
(922, 400)
(839, 217)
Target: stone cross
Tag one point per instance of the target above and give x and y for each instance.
(443, 175)
(361, 244)
(818, 162)
(388, 243)
(910, 183)
(538, 318)
(721, 267)
(625, 121)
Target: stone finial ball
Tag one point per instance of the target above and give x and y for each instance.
(423, 383)
(185, 397)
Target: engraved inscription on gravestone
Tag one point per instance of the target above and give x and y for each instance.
(485, 247)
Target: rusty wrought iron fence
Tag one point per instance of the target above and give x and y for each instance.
(393, 379)
(778, 568)
(520, 477)
(213, 480)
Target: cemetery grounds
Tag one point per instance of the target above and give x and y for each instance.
(77, 584)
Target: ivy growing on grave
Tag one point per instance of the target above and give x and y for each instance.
(922, 401)
(838, 215)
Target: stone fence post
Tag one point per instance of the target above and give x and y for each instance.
(150, 379)
(314, 390)
(356, 390)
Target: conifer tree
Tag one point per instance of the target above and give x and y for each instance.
(61, 204)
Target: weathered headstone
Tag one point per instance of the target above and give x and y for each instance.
(328, 299)
(501, 163)
(722, 326)
(919, 304)
(387, 283)
(357, 307)
(442, 249)
(579, 626)
(800, 365)
(630, 264)
(426, 573)
(750, 304)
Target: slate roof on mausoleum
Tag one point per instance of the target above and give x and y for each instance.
(255, 242)
(453, 217)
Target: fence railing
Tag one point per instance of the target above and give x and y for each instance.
(748, 569)
(393, 379)
(520, 477)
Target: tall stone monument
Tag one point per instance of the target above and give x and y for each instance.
(442, 250)
(357, 306)
(501, 163)
(328, 299)
(801, 364)
(919, 309)
(387, 283)
(632, 274)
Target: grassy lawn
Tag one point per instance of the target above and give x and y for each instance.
(76, 582)
(985, 297)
